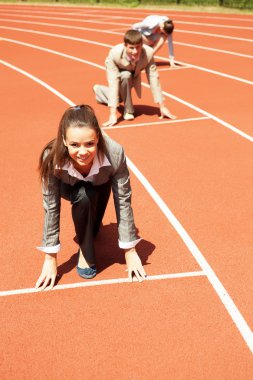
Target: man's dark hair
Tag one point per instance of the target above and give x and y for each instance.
(168, 26)
(132, 37)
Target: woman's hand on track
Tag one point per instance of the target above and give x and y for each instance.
(134, 265)
(48, 273)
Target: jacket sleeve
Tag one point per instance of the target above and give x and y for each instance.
(154, 82)
(122, 200)
(113, 75)
(52, 206)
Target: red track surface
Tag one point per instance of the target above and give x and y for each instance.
(171, 328)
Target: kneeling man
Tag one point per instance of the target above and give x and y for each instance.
(123, 69)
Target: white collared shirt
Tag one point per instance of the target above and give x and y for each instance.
(96, 165)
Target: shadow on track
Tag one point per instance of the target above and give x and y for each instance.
(107, 251)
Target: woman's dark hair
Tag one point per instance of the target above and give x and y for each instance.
(55, 152)
(133, 37)
(168, 26)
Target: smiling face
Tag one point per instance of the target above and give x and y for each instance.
(82, 147)
(133, 51)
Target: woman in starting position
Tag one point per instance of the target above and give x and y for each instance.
(82, 165)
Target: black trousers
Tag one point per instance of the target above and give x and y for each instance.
(88, 207)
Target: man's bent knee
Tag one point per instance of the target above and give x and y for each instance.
(125, 75)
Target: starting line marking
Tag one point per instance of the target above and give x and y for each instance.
(174, 68)
(156, 123)
(102, 282)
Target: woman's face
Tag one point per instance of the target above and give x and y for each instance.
(82, 147)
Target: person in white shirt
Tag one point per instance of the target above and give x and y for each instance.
(83, 165)
(155, 31)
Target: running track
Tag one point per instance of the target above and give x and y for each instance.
(192, 197)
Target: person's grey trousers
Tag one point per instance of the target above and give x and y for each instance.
(88, 207)
(126, 84)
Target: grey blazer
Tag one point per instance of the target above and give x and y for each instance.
(118, 174)
(117, 61)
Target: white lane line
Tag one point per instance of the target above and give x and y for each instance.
(57, 35)
(39, 81)
(189, 65)
(6, 293)
(203, 112)
(85, 21)
(175, 16)
(80, 20)
(236, 19)
(100, 44)
(140, 14)
(222, 293)
(120, 33)
(62, 26)
(54, 52)
(216, 35)
(174, 68)
(88, 12)
(104, 17)
(157, 123)
(215, 50)
(212, 25)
